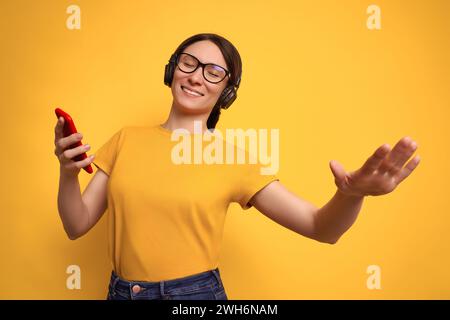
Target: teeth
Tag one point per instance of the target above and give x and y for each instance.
(191, 92)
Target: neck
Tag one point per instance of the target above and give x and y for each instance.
(176, 120)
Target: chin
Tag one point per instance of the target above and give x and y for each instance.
(191, 107)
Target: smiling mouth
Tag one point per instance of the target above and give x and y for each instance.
(191, 92)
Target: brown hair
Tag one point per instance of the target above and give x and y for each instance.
(232, 59)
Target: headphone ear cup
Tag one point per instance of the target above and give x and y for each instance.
(169, 70)
(228, 97)
(168, 74)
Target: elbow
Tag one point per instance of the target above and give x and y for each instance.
(327, 240)
(334, 241)
(73, 235)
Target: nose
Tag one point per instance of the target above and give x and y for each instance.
(196, 77)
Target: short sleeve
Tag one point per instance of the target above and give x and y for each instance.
(251, 181)
(106, 155)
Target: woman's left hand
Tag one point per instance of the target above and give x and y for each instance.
(381, 173)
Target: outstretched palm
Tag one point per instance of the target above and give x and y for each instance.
(381, 173)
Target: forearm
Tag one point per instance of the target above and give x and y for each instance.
(72, 210)
(337, 216)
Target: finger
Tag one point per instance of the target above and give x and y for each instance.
(63, 143)
(70, 140)
(85, 162)
(71, 153)
(406, 171)
(59, 128)
(375, 160)
(338, 172)
(395, 155)
(400, 160)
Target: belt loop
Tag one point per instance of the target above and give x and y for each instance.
(114, 283)
(116, 279)
(217, 275)
(161, 288)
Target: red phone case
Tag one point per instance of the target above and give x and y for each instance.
(69, 128)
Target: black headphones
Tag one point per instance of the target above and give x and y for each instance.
(229, 94)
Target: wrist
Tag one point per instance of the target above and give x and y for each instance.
(64, 174)
(351, 196)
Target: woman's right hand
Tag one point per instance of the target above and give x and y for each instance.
(65, 154)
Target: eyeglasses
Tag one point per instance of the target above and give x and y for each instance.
(213, 73)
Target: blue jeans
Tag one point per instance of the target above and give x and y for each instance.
(201, 286)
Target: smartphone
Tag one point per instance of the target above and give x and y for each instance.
(69, 128)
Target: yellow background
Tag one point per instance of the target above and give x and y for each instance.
(334, 88)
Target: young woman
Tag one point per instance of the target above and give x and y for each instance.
(166, 220)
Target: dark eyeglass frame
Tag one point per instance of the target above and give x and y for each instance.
(203, 65)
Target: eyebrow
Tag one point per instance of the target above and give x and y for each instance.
(206, 62)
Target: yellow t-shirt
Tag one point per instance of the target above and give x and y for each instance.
(165, 220)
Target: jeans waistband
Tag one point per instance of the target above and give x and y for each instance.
(116, 281)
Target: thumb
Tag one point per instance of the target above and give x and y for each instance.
(338, 171)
